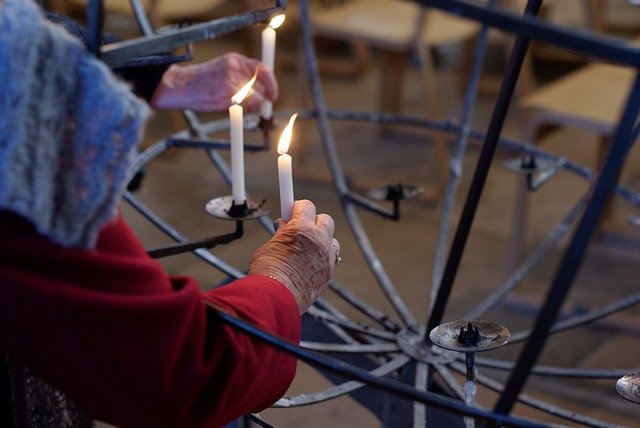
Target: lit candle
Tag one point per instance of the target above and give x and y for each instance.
(236, 119)
(269, 58)
(285, 173)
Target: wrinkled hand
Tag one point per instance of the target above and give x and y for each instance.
(209, 86)
(300, 255)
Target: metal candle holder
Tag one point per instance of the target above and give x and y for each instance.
(628, 387)
(469, 337)
(395, 193)
(224, 208)
(537, 171)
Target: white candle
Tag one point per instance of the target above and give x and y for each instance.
(269, 58)
(285, 172)
(236, 129)
(237, 154)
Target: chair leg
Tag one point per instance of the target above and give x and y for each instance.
(434, 109)
(604, 146)
(393, 66)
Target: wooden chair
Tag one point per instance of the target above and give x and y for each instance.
(398, 30)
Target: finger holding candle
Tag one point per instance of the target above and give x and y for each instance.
(269, 57)
(236, 119)
(285, 172)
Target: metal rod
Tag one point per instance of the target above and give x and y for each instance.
(141, 16)
(174, 234)
(574, 254)
(118, 53)
(584, 318)
(208, 243)
(339, 180)
(353, 326)
(343, 388)
(607, 48)
(456, 163)
(514, 65)
(552, 371)
(373, 313)
(94, 17)
(346, 348)
(534, 258)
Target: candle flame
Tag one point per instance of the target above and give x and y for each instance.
(285, 138)
(276, 21)
(242, 93)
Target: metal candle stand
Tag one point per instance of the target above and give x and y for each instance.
(396, 356)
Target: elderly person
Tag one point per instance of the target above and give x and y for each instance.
(81, 303)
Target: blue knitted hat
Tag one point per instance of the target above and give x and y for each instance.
(68, 128)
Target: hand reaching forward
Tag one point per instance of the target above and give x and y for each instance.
(301, 255)
(209, 86)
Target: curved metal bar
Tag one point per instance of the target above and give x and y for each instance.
(174, 234)
(339, 180)
(374, 348)
(384, 384)
(553, 371)
(539, 404)
(481, 172)
(584, 319)
(343, 388)
(447, 127)
(452, 128)
(534, 258)
(456, 163)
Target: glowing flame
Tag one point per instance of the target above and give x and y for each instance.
(285, 138)
(242, 93)
(276, 21)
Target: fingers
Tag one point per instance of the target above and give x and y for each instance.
(325, 223)
(268, 82)
(304, 210)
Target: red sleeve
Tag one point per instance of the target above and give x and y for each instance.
(132, 346)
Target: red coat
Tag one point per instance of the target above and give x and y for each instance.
(132, 346)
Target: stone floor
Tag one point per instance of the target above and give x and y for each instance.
(179, 183)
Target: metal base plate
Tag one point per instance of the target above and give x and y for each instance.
(223, 208)
(522, 166)
(492, 335)
(628, 387)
